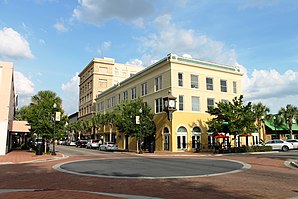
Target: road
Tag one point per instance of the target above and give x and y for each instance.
(268, 176)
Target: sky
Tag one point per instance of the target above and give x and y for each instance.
(51, 41)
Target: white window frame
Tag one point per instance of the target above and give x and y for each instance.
(194, 83)
(181, 103)
(134, 93)
(144, 89)
(158, 83)
(195, 106)
(180, 79)
(158, 105)
(209, 85)
(223, 85)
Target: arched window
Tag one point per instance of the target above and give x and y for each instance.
(196, 138)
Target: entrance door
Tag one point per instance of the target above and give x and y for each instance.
(182, 138)
(166, 139)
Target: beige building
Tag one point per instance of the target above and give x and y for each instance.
(195, 84)
(7, 104)
(12, 133)
(97, 76)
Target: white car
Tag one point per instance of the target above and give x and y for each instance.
(108, 146)
(294, 142)
(279, 145)
(92, 144)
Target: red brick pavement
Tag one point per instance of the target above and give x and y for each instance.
(267, 178)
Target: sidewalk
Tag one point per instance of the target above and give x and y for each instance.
(25, 156)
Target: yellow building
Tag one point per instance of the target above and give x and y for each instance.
(97, 76)
(194, 84)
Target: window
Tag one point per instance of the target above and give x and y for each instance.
(125, 95)
(194, 83)
(180, 79)
(195, 102)
(134, 93)
(113, 101)
(144, 89)
(210, 102)
(223, 85)
(235, 87)
(209, 83)
(102, 106)
(158, 84)
(181, 102)
(109, 103)
(158, 105)
(119, 98)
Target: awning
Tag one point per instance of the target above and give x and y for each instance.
(20, 127)
(280, 127)
(221, 136)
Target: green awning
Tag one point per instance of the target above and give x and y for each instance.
(280, 127)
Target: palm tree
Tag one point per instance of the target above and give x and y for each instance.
(260, 111)
(289, 113)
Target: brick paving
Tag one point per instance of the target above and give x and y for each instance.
(267, 178)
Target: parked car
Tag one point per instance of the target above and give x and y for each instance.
(81, 143)
(108, 146)
(294, 142)
(92, 144)
(277, 144)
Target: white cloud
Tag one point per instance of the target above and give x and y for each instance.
(271, 88)
(135, 62)
(97, 12)
(24, 88)
(13, 45)
(60, 27)
(171, 39)
(70, 95)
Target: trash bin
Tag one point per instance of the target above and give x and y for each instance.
(39, 146)
(151, 147)
(39, 149)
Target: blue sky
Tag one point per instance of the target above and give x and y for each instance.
(51, 41)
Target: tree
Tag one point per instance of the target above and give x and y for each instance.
(289, 113)
(260, 112)
(239, 117)
(126, 116)
(39, 115)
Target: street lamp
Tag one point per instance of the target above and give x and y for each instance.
(140, 111)
(54, 120)
(169, 105)
(138, 121)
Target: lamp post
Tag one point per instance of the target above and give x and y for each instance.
(54, 120)
(138, 121)
(140, 146)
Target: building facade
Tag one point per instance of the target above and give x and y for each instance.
(194, 84)
(97, 76)
(7, 105)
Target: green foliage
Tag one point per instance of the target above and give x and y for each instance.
(288, 114)
(260, 112)
(125, 118)
(39, 115)
(240, 117)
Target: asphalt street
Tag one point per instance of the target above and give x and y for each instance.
(152, 167)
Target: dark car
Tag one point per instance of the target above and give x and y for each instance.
(81, 143)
